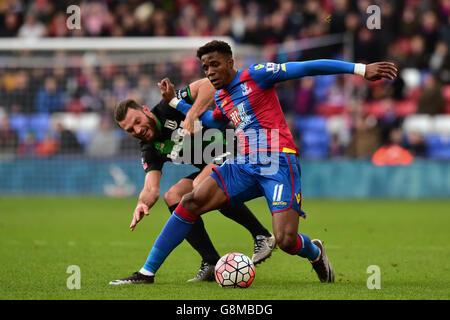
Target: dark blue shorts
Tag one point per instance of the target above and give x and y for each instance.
(275, 177)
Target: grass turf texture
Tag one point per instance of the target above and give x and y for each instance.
(40, 237)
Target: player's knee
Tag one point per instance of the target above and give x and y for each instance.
(187, 201)
(171, 197)
(191, 201)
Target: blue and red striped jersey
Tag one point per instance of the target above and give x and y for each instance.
(251, 103)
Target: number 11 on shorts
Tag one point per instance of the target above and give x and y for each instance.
(277, 191)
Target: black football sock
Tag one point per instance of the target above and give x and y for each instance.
(242, 215)
(199, 239)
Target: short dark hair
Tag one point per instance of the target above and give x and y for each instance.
(121, 109)
(213, 46)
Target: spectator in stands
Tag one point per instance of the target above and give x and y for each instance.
(9, 138)
(365, 138)
(104, 142)
(392, 153)
(410, 22)
(10, 25)
(75, 104)
(416, 144)
(439, 62)
(336, 149)
(305, 100)
(32, 28)
(94, 94)
(58, 26)
(147, 91)
(120, 87)
(430, 30)
(431, 101)
(418, 57)
(337, 95)
(27, 147)
(97, 20)
(68, 142)
(21, 98)
(48, 146)
(49, 98)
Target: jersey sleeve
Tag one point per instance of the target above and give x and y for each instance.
(219, 115)
(267, 74)
(208, 118)
(150, 159)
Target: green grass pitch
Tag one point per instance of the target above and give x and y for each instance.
(40, 237)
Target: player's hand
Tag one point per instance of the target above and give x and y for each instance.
(376, 71)
(167, 89)
(139, 213)
(191, 124)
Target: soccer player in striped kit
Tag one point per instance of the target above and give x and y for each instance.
(248, 98)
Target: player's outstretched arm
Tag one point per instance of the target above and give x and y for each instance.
(270, 73)
(147, 198)
(168, 94)
(373, 71)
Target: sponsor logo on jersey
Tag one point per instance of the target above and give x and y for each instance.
(272, 67)
(177, 138)
(298, 197)
(239, 116)
(279, 203)
(258, 66)
(172, 125)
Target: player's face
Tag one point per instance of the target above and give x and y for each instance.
(218, 69)
(140, 124)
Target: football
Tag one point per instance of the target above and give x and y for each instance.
(234, 270)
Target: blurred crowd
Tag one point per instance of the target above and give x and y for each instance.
(415, 34)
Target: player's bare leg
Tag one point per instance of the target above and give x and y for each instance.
(206, 171)
(285, 227)
(176, 192)
(205, 197)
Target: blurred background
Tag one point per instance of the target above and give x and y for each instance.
(358, 139)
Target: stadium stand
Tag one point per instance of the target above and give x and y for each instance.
(414, 34)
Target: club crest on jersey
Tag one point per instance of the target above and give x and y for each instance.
(245, 89)
(172, 125)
